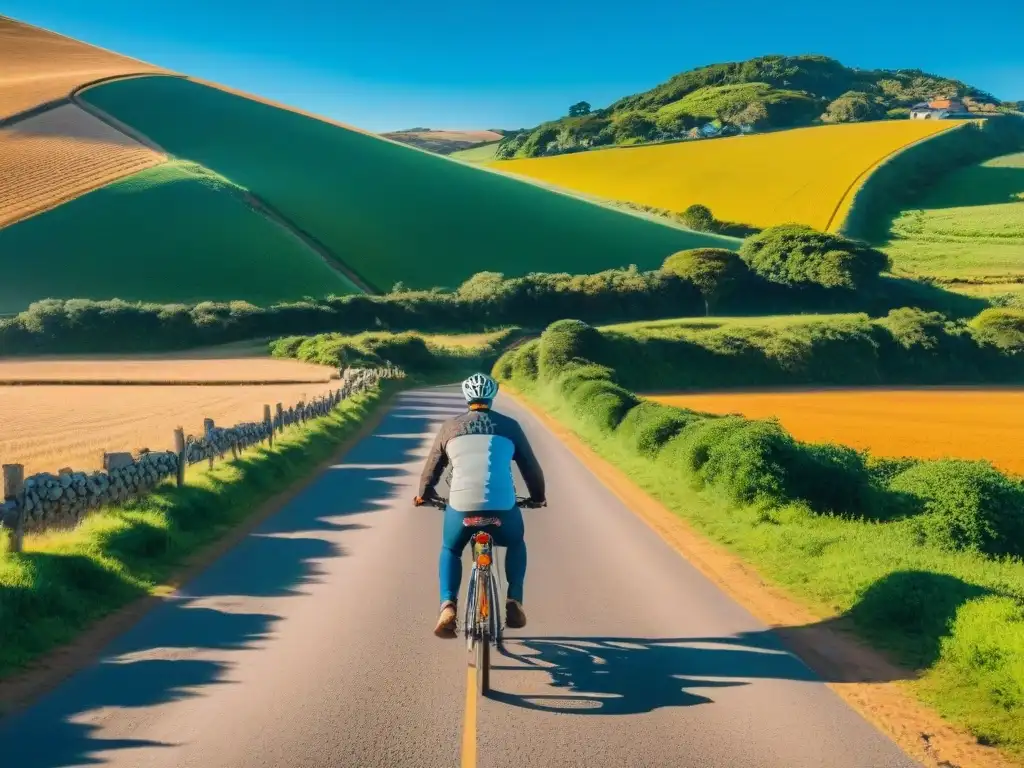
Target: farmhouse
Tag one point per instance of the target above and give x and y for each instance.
(938, 109)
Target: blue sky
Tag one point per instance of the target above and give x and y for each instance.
(398, 63)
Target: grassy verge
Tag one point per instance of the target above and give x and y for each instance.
(65, 581)
(921, 559)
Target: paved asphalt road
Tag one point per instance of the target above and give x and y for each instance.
(310, 644)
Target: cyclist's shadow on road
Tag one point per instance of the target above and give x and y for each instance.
(628, 675)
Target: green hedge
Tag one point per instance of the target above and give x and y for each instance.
(920, 557)
(487, 300)
(409, 351)
(907, 346)
(905, 176)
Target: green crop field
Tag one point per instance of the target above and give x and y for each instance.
(391, 213)
(970, 226)
(671, 325)
(481, 154)
(172, 233)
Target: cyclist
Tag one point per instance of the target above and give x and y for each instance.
(480, 445)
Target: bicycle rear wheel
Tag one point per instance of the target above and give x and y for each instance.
(482, 633)
(483, 666)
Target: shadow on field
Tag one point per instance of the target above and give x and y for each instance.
(906, 612)
(986, 185)
(188, 642)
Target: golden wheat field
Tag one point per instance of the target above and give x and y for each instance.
(37, 66)
(49, 427)
(968, 422)
(59, 155)
(801, 175)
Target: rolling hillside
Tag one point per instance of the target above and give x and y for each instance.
(970, 225)
(768, 92)
(803, 175)
(38, 67)
(390, 213)
(172, 233)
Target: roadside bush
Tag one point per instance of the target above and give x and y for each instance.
(524, 364)
(601, 403)
(966, 505)
(649, 426)
(565, 342)
(834, 479)
(799, 256)
(744, 459)
(576, 375)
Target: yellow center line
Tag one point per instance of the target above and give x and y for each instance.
(469, 722)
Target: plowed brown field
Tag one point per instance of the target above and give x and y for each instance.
(37, 66)
(59, 155)
(969, 423)
(49, 427)
(255, 369)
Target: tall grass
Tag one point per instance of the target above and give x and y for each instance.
(921, 558)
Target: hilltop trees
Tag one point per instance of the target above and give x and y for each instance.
(765, 92)
(798, 256)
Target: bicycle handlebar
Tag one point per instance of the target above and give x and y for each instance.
(442, 503)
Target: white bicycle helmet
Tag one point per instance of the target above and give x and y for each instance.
(479, 386)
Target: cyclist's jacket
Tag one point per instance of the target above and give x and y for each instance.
(480, 446)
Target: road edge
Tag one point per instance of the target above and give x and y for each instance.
(20, 690)
(832, 654)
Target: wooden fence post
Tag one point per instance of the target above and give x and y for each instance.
(269, 423)
(14, 487)
(179, 448)
(280, 418)
(207, 430)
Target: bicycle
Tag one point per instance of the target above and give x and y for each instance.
(483, 625)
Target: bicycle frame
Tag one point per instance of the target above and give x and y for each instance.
(482, 625)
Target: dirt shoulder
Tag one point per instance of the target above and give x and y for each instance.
(872, 685)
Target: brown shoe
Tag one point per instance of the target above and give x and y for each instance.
(515, 616)
(446, 621)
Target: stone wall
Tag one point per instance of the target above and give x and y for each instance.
(46, 501)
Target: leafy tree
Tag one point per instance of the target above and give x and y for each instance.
(715, 271)
(699, 218)
(797, 255)
(853, 107)
(634, 125)
(579, 108)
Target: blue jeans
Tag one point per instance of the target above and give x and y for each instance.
(456, 536)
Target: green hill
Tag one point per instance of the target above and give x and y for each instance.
(970, 225)
(172, 233)
(763, 93)
(389, 212)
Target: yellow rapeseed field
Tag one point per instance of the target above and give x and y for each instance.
(965, 422)
(60, 154)
(802, 175)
